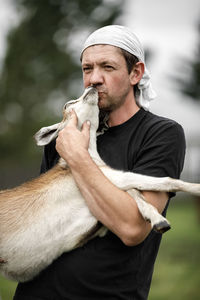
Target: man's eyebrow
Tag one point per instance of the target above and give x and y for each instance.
(86, 64)
(108, 62)
(101, 63)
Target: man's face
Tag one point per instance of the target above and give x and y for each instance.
(105, 68)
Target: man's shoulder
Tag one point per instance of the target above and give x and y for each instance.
(157, 119)
(160, 148)
(159, 123)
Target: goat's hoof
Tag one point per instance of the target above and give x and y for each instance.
(162, 227)
(2, 261)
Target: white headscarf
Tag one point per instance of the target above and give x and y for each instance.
(124, 38)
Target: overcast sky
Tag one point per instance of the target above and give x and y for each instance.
(8, 18)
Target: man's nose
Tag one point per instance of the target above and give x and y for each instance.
(96, 77)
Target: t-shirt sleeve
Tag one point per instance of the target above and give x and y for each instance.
(162, 152)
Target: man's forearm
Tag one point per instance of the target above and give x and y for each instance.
(111, 206)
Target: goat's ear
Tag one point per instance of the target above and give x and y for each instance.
(46, 134)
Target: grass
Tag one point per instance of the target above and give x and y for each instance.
(177, 269)
(7, 289)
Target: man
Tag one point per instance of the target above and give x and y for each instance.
(119, 265)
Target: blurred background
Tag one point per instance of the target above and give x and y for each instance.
(40, 42)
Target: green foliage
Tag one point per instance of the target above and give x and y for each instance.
(41, 71)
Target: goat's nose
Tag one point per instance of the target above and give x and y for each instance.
(90, 90)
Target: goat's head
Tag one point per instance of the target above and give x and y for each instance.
(86, 108)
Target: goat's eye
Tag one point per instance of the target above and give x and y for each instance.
(68, 103)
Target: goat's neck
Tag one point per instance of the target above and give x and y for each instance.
(92, 150)
(93, 147)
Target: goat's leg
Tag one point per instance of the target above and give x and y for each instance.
(129, 180)
(149, 212)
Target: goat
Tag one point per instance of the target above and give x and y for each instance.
(47, 216)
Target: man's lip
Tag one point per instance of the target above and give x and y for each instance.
(101, 92)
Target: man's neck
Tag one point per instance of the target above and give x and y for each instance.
(123, 113)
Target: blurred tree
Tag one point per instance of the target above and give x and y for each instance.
(190, 85)
(42, 69)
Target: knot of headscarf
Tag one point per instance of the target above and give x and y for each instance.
(124, 38)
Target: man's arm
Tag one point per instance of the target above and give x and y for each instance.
(110, 205)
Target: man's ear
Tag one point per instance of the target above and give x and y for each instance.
(137, 73)
(46, 134)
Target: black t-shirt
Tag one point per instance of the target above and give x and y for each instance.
(105, 268)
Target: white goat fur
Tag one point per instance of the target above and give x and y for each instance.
(47, 216)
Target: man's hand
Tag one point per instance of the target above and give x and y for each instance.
(72, 143)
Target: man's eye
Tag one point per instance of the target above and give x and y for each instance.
(108, 67)
(86, 69)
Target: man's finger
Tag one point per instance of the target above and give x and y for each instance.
(73, 120)
(86, 128)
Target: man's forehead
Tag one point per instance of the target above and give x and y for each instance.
(101, 52)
